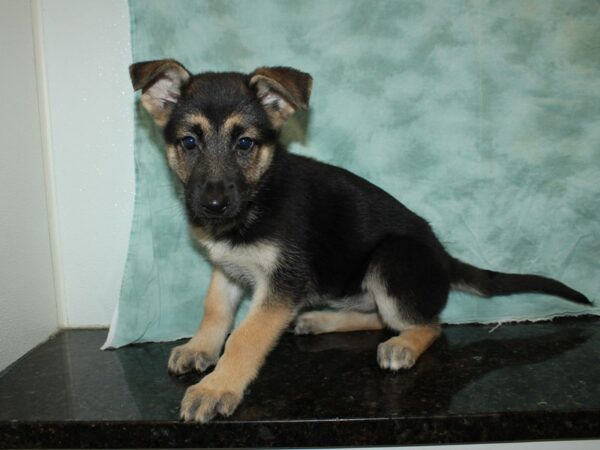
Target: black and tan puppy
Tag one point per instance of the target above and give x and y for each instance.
(301, 234)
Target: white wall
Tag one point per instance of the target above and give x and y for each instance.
(87, 50)
(66, 168)
(27, 302)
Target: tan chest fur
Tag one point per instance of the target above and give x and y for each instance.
(250, 265)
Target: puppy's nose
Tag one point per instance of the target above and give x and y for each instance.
(214, 199)
(216, 206)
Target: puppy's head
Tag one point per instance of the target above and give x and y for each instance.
(220, 129)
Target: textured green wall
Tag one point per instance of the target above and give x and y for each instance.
(482, 116)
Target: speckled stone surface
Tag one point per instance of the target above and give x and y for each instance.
(517, 382)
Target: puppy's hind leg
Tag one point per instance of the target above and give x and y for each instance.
(318, 322)
(402, 352)
(410, 285)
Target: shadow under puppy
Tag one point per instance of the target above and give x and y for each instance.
(301, 234)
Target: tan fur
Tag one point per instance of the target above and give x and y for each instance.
(401, 352)
(176, 155)
(160, 82)
(277, 108)
(254, 263)
(281, 91)
(176, 160)
(231, 121)
(262, 156)
(418, 338)
(203, 349)
(202, 234)
(201, 121)
(260, 164)
(317, 322)
(246, 349)
(250, 343)
(296, 86)
(160, 112)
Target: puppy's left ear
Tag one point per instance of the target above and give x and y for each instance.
(282, 91)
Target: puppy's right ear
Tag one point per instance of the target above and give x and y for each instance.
(161, 82)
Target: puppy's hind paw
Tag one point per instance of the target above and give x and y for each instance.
(313, 322)
(394, 357)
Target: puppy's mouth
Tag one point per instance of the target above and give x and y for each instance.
(199, 216)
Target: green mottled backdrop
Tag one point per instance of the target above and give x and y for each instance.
(482, 116)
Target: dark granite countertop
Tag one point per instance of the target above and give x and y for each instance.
(476, 384)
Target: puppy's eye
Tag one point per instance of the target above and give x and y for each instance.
(189, 142)
(245, 143)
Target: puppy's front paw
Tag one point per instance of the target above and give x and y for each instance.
(186, 358)
(204, 400)
(394, 356)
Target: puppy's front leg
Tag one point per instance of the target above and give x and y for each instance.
(222, 390)
(203, 349)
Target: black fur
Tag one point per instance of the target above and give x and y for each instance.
(335, 224)
(304, 234)
(332, 225)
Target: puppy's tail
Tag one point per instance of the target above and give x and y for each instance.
(488, 283)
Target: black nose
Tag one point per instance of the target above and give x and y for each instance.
(216, 206)
(214, 199)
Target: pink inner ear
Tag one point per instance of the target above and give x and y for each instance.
(268, 98)
(271, 99)
(165, 90)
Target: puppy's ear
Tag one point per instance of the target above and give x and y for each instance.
(282, 91)
(161, 82)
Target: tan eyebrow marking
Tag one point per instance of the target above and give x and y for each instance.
(231, 122)
(237, 120)
(201, 121)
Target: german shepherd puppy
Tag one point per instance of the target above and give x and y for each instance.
(301, 234)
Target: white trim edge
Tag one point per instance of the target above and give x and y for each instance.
(47, 155)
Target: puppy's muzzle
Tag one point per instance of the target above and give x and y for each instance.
(213, 199)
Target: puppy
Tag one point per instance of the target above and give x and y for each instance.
(302, 235)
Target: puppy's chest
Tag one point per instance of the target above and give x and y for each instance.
(248, 264)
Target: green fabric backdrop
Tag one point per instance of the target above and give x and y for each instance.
(482, 116)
